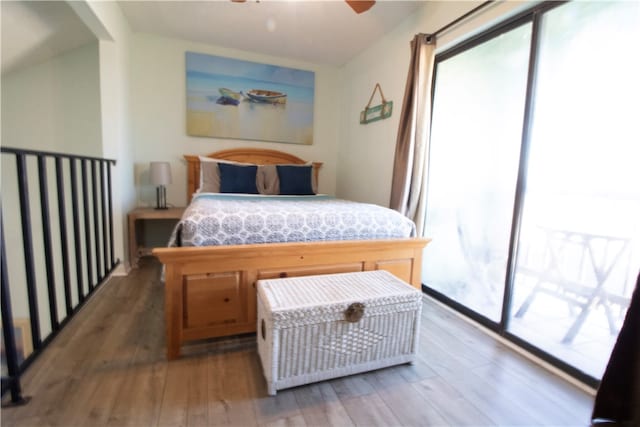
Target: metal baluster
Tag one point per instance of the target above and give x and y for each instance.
(96, 225)
(103, 204)
(25, 219)
(62, 214)
(111, 254)
(87, 224)
(76, 229)
(46, 237)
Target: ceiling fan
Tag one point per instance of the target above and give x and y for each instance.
(358, 6)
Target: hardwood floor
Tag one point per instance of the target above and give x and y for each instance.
(108, 368)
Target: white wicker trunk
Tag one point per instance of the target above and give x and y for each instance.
(303, 336)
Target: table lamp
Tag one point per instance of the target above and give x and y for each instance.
(160, 174)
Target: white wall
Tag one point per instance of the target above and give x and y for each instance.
(158, 114)
(50, 106)
(108, 23)
(54, 105)
(366, 152)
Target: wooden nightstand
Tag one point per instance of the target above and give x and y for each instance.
(137, 250)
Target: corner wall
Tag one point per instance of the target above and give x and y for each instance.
(54, 105)
(108, 23)
(50, 106)
(366, 152)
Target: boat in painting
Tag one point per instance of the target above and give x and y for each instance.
(269, 96)
(228, 97)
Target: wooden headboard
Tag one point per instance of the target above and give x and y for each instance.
(256, 156)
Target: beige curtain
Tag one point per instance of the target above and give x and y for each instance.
(408, 188)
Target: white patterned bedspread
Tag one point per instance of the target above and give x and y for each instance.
(234, 219)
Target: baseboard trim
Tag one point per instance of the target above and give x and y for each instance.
(121, 270)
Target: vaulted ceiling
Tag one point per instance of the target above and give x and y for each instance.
(319, 31)
(327, 32)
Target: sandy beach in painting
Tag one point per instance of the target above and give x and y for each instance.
(249, 120)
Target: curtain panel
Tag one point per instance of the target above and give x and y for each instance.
(408, 187)
(618, 399)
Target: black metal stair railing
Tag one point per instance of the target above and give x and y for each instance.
(89, 246)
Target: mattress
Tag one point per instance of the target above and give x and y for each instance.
(214, 219)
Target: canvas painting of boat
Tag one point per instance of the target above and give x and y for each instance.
(234, 99)
(269, 96)
(228, 97)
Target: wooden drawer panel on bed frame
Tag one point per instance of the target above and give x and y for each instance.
(210, 292)
(215, 299)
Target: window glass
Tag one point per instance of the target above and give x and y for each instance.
(578, 253)
(473, 165)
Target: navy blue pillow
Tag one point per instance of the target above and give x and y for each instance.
(238, 179)
(295, 180)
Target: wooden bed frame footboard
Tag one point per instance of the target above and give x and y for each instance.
(210, 291)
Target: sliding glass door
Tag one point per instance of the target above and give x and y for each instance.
(477, 124)
(533, 189)
(581, 218)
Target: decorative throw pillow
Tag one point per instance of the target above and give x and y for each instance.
(268, 177)
(295, 180)
(238, 179)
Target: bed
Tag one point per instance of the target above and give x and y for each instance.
(210, 290)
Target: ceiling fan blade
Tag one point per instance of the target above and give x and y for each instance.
(360, 6)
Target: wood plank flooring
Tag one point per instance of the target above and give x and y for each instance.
(108, 368)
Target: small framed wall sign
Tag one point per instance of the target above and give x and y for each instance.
(377, 112)
(236, 99)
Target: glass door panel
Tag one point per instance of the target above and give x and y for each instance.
(578, 252)
(473, 165)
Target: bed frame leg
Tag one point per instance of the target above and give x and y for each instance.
(173, 311)
(173, 351)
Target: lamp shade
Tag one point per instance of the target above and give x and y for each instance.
(160, 173)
